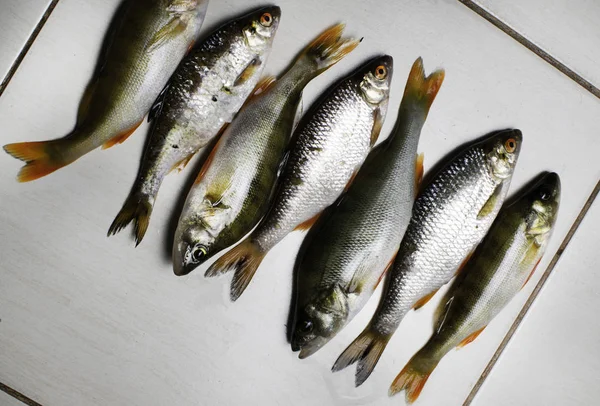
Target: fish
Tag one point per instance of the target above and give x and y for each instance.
(206, 91)
(330, 144)
(499, 268)
(142, 50)
(451, 215)
(233, 189)
(348, 251)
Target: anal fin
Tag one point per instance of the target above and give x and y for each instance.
(308, 223)
(120, 138)
(470, 338)
(423, 301)
(419, 172)
(179, 166)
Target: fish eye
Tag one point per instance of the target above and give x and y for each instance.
(199, 252)
(510, 145)
(545, 194)
(306, 326)
(381, 72)
(266, 19)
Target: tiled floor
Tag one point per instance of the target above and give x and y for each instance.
(87, 320)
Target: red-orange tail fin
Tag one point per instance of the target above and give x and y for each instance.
(421, 88)
(413, 377)
(38, 161)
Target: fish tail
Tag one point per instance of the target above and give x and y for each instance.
(329, 48)
(244, 259)
(137, 208)
(421, 88)
(413, 377)
(41, 158)
(366, 349)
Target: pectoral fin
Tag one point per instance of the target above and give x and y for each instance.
(308, 223)
(248, 72)
(379, 118)
(490, 205)
(419, 172)
(176, 25)
(423, 301)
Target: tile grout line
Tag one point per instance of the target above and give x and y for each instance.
(18, 395)
(532, 296)
(15, 65)
(532, 47)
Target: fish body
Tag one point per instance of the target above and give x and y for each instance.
(497, 271)
(233, 189)
(450, 217)
(206, 91)
(145, 45)
(330, 144)
(349, 249)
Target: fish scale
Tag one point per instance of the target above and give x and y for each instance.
(334, 141)
(500, 266)
(450, 216)
(350, 247)
(329, 145)
(203, 96)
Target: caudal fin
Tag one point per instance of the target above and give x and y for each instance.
(366, 349)
(413, 377)
(329, 48)
(244, 259)
(420, 88)
(137, 208)
(38, 157)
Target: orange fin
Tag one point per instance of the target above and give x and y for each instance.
(377, 125)
(412, 379)
(38, 162)
(423, 301)
(385, 271)
(351, 180)
(422, 88)
(120, 138)
(419, 172)
(308, 223)
(262, 86)
(179, 166)
(470, 338)
(531, 273)
(462, 265)
(329, 48)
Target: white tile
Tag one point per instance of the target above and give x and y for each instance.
(554, 359)
(18, 19)
(7, 400)
(91, 320)
(565, 29)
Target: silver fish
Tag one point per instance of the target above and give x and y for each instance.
(497, 271)
(450, 217)
(204, 94)
(350, 248)
(331, 143)
(233, 188)
(147, 42)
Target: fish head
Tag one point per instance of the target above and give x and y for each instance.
(192, 247)
(376, 78)
(319, 321)
(260, 26)
(543, 201)
(502, 152)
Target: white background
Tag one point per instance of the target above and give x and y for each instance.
(89, 320)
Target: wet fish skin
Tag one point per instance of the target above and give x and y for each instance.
(497, 271)
(330, 144)
(143, 50)
(234, 187)
(450, 217)
(204, 94)
(349, 249)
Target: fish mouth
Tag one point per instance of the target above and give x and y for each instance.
(181, 267)
(308, 348)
